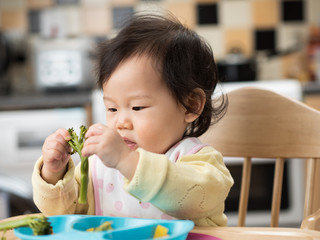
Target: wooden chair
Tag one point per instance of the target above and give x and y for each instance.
(263, 124)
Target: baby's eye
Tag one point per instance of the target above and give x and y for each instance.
(138, 108)
(112, 109)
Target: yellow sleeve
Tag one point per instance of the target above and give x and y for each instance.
(61, 198)
(195, 187)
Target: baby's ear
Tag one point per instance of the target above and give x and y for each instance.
(195, 103)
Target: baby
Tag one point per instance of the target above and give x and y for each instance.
(157, 78)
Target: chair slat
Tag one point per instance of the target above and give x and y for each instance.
(277, 190)
(244, 192)
(308, 203)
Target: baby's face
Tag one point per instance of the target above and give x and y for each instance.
(141, 108)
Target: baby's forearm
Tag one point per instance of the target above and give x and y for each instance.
(128, 166)
(60, 198)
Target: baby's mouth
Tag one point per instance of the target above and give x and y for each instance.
(131, 145)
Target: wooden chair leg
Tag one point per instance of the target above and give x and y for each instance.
(308, 202)
(277, 191)
(244, 194)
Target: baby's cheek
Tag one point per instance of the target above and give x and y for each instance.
(153, 141)
(110, 123)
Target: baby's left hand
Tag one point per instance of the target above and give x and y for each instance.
(108, 145)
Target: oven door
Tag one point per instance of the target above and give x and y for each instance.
(260, 194)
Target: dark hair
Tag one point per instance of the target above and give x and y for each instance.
(184, 59)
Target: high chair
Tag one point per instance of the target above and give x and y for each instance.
(262, 124)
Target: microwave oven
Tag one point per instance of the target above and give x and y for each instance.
(63, 64)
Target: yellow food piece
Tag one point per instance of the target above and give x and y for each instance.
(160, 232)
(103, 227)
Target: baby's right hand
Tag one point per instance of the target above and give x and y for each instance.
(56, 154)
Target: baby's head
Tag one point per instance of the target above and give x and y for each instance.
(184, 60)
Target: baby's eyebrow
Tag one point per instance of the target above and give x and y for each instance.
(140, 97)
(106, 97)
(133, 97)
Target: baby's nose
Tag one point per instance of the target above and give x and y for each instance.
(124, 122)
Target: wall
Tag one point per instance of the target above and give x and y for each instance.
(253, 26)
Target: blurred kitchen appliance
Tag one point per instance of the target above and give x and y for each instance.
(3, 206)
(4, 65)
(62, 64)
(259, 205)
(236, 67)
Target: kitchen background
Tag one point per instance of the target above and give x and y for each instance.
(279, 34)
(46, 62)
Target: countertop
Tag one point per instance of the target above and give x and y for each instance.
(44, 100)
(288, 87)
(311, 88)
(63, 99)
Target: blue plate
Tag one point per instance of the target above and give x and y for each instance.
(75, 226)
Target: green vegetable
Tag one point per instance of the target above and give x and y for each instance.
(39, 225)
(103, 227)
(77, 144)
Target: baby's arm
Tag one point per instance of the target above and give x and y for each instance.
(55, 186)
(193, 188)
(61, 198)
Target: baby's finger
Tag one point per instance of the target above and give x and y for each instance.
(92, 140)
(89, 150)
(62, 139)
(64, 133)
(56, 145)
(54, 161)
(96, 129)
(52, 155)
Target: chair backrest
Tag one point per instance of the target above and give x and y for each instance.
(262, 124)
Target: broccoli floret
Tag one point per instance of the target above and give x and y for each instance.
(77, 144)
(39, 225)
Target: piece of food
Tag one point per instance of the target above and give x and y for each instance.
(103, 227)
(39, 225)
(160, 232)
(77, 144)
